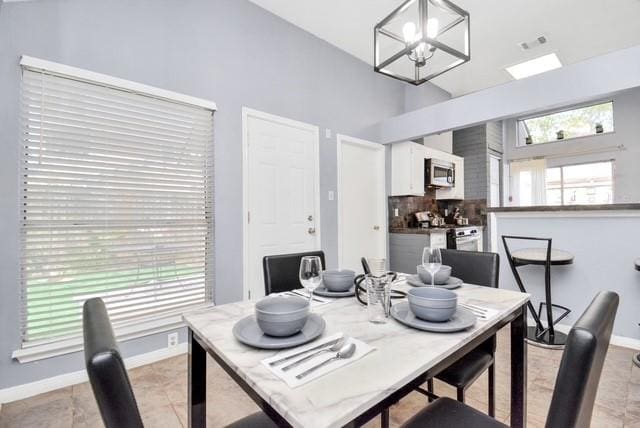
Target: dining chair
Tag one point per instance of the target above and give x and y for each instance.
(480, 268)
(281, 271)
(109, 379)
(576, 383)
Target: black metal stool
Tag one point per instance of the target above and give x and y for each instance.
(636, 358)
(539, 335)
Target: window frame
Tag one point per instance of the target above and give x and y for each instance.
(564, 165)
(521, 139)
(147, 326)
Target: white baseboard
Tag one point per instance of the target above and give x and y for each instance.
(623, 341)
(27, 390)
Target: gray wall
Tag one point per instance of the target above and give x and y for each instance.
(474, 144)
(417, 97)
(471, 144)
(626, 176)
(228, 51)
(604, 245)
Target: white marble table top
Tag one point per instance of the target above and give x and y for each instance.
(335, 399)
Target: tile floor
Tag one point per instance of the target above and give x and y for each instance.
(161, 391)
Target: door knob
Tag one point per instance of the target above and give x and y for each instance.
(310, 218)
(311, 230)
(376, 227)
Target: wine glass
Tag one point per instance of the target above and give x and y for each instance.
(431, 261)
(310, 274)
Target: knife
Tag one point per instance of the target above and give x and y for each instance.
(297, 354)
(306, 296)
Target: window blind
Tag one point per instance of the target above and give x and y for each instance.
(116, 202)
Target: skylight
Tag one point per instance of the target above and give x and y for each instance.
(534, 66)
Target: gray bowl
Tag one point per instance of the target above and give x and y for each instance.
(282, 315)
(338, 280)
(432, 304)
(442, 275)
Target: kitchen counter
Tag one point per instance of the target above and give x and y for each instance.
(423, 231)
(553, 208)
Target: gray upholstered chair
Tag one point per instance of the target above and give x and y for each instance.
(109, 379)
(281, 271)
(480, 268)
(576, 384)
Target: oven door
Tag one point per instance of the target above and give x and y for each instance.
(468, 243)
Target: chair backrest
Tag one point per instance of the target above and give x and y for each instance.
(581, 365)
(281, 271)
(473, 267)
(365, 265)
(106, 370)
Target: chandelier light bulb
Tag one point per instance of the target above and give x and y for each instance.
(432, 27)
(409, 32)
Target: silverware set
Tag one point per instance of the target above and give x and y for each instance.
(477, 310)
(340, 348)
(303, 295)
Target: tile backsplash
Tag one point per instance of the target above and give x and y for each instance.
(474, 209)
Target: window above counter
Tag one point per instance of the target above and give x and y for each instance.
(566, 124)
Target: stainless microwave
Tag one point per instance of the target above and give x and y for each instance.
(439, 173)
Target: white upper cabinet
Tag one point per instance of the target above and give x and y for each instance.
(407, 169)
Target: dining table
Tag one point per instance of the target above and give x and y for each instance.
(403, 359)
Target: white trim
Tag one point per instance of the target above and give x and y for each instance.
(27, 390)
(42, 351)
(622, 341)
(345, 139)
(567, 214)
(103, 79)
(249, 112)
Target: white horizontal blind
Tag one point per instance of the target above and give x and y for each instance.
(116, 202)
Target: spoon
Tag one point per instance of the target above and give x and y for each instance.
(347, 351)
(335, 348)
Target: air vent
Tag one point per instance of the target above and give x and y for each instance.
(525, 46)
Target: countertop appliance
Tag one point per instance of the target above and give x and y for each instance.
(439, 173)
(465, 238)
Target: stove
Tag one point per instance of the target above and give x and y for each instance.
(468, 238)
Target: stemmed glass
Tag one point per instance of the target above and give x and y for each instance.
(431, 261)
(310, 274)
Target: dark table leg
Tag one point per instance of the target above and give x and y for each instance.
(197, 389)
(519, 370)
(384, 418)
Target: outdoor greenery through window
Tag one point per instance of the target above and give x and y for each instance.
(584, 184)
(579, 122)
(117, 202)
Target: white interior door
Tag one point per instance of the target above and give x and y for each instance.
(362, 213)
(281, 192)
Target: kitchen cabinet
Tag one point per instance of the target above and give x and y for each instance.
(405, 249)
(407, 169)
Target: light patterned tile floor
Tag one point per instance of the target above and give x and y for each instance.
(161, 391)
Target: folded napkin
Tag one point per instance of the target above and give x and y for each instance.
(289, 376)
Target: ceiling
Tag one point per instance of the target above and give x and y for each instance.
(575, 29)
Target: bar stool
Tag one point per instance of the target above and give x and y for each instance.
(636, 358)
(539, 335)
